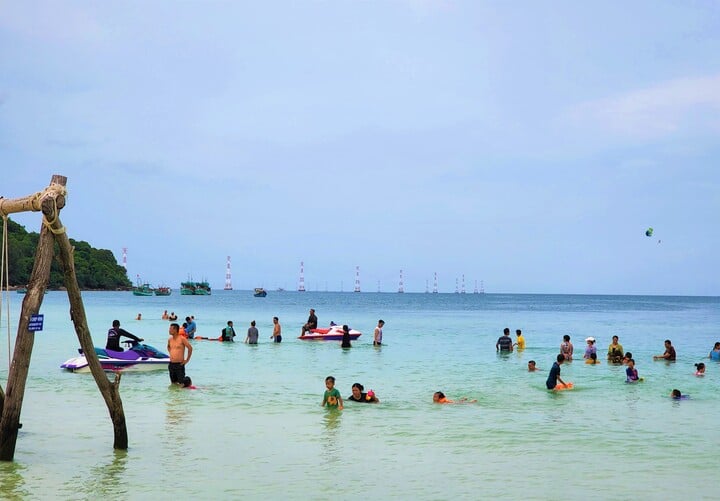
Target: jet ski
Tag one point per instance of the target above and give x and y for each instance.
(139, 357)
(332, 333)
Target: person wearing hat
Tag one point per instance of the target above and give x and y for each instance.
(590, 349)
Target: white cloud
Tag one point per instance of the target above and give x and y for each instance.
(669, 108)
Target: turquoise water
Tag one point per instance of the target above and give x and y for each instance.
(254, 428)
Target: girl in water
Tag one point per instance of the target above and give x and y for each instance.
(700, 369)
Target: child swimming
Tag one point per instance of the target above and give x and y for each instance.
(440, 398)
(700, 369)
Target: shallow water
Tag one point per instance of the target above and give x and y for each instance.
(254, 427)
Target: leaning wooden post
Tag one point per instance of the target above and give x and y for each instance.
(51, 203)
(109, 391)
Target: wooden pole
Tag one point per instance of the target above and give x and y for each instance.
(50, 204)
(110, 392)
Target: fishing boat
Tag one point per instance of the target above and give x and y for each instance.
(191, 288)
(187, 288)
(163, 291)
(332, 333)
(202, 288)
(139, 358)
(260, 292)
(142, 290)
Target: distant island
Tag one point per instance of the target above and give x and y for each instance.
(96, 269)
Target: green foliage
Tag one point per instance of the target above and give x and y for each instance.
(95, 268)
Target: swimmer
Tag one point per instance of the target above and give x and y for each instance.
(531, 366)
(676, 395)
(700, 369)
(593, 359)
(359, 396)
(440, 398)
(139, 317)
(187, 383)
(164, 315)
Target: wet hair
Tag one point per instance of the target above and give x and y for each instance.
(439, 394)
(175, 326)
(717, 345)
(566, 337)
(531, 362)
(699, 366)
(187, 381)
(252, 323)
(668, 341)
(560, 357)
(628, 355)
(676, 393)
(276, 318)
(358, 386)
(346, 328)
(330, 378)
(381, 321)
(631, 360)
(116, 323)
(187, 319)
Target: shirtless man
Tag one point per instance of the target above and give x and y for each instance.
(176, 349)
(277, 330)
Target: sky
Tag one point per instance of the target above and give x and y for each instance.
(524, 145)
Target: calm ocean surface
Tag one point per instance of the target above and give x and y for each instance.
(254, 428)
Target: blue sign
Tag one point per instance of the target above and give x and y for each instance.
(36, 323)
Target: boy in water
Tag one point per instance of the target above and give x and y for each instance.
(331, 398)
(176, 347)
(531, 366)
(554, 375)
(631, 372)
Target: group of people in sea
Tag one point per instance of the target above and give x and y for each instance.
(615, 355)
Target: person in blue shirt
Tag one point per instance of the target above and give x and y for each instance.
(191, 327)
(715, 353)
(554, 375)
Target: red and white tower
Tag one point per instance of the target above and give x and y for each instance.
(435, 290)
(301, 283)
(462, 290)
(228, 276)
(357, 279)
(401, 287)
(124, 261)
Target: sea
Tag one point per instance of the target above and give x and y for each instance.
(254, 428)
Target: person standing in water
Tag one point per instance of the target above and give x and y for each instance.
(377, 335)
(252, 334)
(346, 337)
(176, 346)
(277, 331)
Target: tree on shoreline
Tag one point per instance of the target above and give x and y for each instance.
(95, 268)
